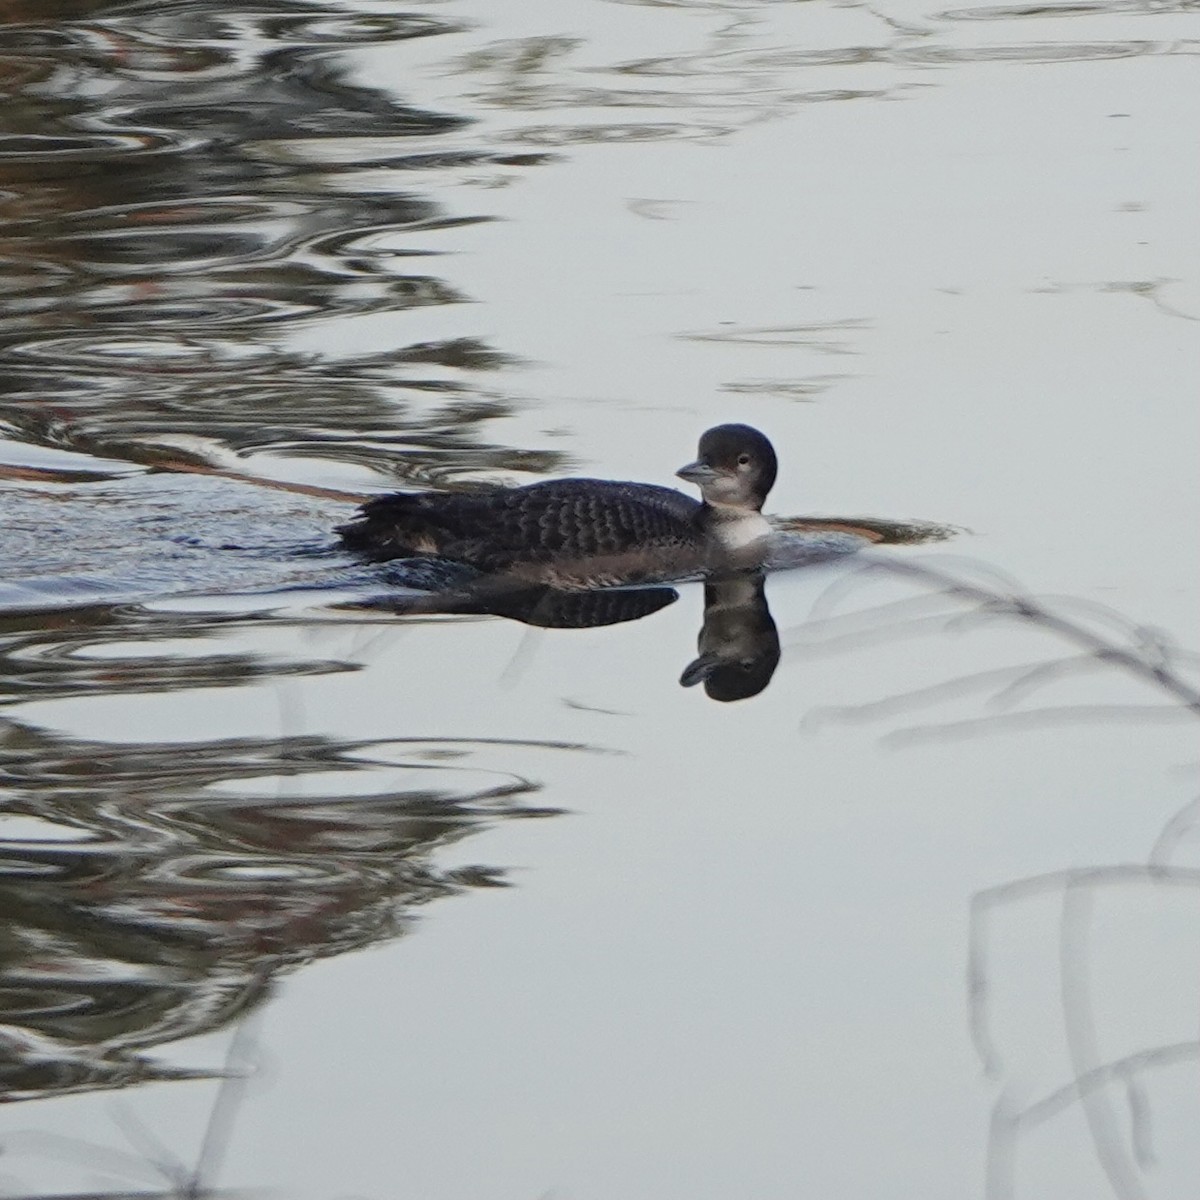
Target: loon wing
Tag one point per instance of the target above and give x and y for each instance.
(558, 519)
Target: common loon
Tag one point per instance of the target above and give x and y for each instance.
(587, 532)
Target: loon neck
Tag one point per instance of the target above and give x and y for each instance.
(733, 527)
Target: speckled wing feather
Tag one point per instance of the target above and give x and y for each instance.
(542, 523)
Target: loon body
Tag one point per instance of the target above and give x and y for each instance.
(587, 532)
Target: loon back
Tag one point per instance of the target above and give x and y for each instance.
(494, 529)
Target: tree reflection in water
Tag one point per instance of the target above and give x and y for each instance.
(154, 891)
(173, 204)
(169, 212)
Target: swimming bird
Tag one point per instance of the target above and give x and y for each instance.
(587, 532)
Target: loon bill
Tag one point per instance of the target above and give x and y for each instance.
(602, 527)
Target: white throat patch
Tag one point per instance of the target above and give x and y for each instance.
(736, 529)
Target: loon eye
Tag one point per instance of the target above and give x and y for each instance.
(743, 460)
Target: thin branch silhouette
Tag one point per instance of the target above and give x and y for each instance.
(1111, 1095)
(1148, 654)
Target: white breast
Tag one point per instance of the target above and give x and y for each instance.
(736, 531)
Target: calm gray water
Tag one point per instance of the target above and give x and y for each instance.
(340, 901)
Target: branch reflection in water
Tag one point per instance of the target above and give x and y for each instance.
(1112, 922)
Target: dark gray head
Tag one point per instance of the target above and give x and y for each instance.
(735, 468)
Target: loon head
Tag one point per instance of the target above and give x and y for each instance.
(734, 470)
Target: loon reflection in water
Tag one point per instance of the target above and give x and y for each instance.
(588, 532)
(738, 644)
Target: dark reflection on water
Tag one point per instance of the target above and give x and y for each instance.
(168, 213)
(154, 890)
(86, 652)
(738, 645)
(180, 184)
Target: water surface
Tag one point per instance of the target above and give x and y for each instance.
(922, 910)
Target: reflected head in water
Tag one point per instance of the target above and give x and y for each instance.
(738, 643)
(585, 532)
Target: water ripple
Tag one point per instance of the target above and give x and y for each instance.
(157, 238)
(95, 148)
(182, 878)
